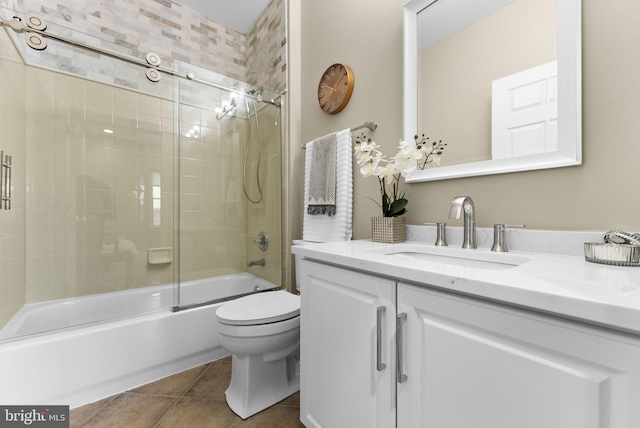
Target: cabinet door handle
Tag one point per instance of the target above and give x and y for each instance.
(7, 182)
(2, 187)
(399, 346)
(379, 364)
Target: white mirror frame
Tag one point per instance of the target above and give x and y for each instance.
(569, 101)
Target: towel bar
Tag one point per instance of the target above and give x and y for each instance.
(371, 125)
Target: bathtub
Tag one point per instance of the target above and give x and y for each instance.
(105, 344)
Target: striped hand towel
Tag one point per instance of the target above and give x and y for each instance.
(322, 176)
(322, 228)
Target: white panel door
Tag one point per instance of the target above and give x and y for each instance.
(473, 364)
(342, 383)
(524, 112)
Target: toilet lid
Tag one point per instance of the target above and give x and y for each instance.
(260, 308)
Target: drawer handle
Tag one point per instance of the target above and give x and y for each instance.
(379, 364)
(399, 346)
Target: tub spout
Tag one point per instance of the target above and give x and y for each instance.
(252, 263)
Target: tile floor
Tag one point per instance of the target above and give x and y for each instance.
(190, 399)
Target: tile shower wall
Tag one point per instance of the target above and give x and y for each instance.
(99, 187)
(112, 196)
(90, 227)
(174, 32)
(217, 223)
(267, 49)
(12, 226)
(265, 216)
(212, 207)
(165, 27)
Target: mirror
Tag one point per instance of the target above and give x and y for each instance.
(470, 112)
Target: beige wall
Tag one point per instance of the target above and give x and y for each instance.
(598, 195)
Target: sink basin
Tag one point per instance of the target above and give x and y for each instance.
(476, 259)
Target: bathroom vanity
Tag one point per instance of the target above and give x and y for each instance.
(413, 335)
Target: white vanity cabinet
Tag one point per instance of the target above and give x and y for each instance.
(343, 382)
(468, 362)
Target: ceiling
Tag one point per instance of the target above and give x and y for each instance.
(237, 14)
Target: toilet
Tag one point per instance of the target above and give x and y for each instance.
(262, 333)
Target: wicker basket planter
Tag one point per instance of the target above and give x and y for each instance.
(388, 229)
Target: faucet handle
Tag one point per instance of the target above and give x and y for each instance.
(500, 238)
(441, 237)
(513, 226)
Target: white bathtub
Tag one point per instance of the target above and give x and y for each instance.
(87, 357)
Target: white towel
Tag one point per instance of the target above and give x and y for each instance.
(322, 228)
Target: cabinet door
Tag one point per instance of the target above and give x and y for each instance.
(476, 364)
(342, 384)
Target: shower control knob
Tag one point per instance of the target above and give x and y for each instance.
(262, 241)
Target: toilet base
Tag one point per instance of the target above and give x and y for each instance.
(256, 384)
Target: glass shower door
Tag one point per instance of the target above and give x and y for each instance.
(93, 186)
(229, 156)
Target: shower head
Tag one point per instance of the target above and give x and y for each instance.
(256, 92)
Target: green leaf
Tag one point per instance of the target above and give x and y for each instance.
(385, 204)
(397, 208)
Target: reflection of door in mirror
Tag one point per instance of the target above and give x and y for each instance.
(524, 112)
(456, 70)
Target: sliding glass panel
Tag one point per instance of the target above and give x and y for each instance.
(98, 191)
(230, 178)
(12, 236)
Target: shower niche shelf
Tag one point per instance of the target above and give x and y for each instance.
(158, 256)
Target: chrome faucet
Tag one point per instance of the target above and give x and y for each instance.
(252, 263)
(458, 204)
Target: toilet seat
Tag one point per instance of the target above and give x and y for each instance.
(260, 308)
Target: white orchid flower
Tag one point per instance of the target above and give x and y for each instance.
(362, 158)
(369, 157)
(368, 147)
(404, 163)
(404, 143)
(387, 172)
(409, 149)
(426, 149)
(370, 167)
(411, 155)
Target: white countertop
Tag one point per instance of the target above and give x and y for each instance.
(561, 284)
